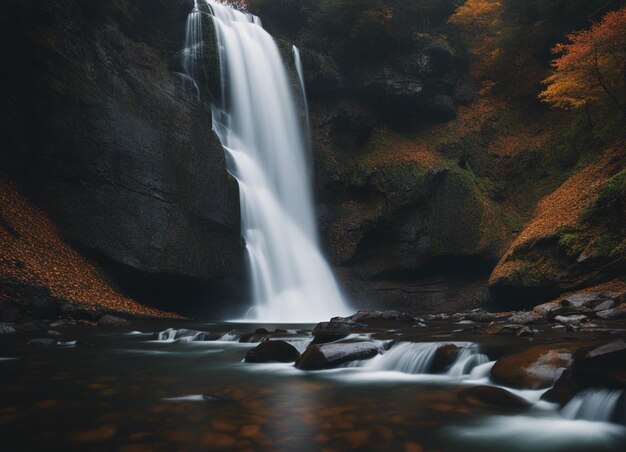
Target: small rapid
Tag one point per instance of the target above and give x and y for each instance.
(454, 360)
(593, 405)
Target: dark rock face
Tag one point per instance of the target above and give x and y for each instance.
(405, 228)
(101, 133)
(326, 356)
(111, 320)
(25, 301)
(272, 351)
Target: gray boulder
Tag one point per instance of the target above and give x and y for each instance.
(327, 356)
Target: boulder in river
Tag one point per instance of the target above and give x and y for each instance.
(535, 368)
(272, 351)
(444, 357)
(599, 365)
(327, 356)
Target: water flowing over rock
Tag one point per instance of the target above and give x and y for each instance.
(258, 125)
(429, 358)
(592, 405)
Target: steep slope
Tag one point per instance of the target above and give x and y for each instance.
(42, 275)
(575, 239)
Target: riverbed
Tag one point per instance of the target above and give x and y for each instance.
(131, 388)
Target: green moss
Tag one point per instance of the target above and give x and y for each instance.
(608, 210)
(513, 221)
(571, 243)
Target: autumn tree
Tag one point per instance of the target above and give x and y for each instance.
(479, 20)
(591, 66)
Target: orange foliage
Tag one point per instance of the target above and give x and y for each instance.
(591, 66)
(479, 20)
(31, 251)
(402, 149)
(561, 208)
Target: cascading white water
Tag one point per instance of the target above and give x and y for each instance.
(417, 358)
(297, 59)
(257, 122)
(592, 405)
(192, 53)
(469, 357)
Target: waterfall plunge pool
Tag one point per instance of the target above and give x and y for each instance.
(143, 388)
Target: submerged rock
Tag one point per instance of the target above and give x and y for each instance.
(42, 342)
(327, 356)
(272, 351)
(535, 368)
(493, 396)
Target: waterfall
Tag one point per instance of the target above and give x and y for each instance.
(297, 60)
(257, 123)
(192, 53)
(592, 405)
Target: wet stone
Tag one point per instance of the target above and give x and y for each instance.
(327, 356)
(535, 368)
(608, 304)
(523, 318)
(272, 351)
(7, 329)
(42, 342)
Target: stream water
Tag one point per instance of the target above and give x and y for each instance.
(130, 390)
